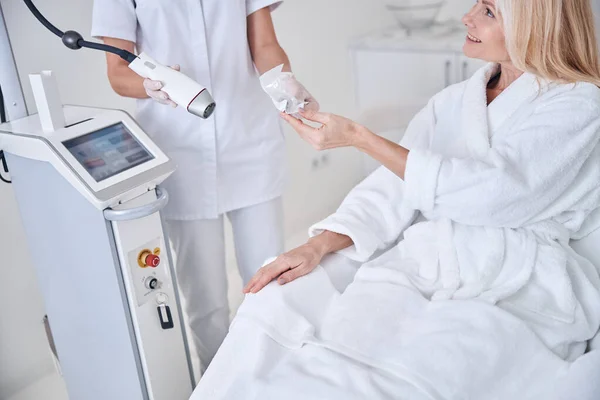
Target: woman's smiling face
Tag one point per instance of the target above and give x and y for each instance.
(485, 38)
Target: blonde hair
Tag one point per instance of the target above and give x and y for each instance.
(553, 39)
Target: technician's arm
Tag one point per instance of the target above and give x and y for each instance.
(264, 47)
(123, 80)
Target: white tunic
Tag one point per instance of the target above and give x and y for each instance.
(234, 159)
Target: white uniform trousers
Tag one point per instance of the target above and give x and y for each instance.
(199, 247)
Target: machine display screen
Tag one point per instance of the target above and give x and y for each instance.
(108, 151)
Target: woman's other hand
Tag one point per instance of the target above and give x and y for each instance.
(288, 267)
(300, 261)
(335, 131)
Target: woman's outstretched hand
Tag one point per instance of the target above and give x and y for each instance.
(335, 131)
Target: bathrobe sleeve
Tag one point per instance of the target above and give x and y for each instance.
(521, 177)
(373, 214)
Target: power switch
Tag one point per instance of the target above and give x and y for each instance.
(152, 283)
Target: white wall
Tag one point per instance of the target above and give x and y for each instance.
(23, 348)
(315, 33)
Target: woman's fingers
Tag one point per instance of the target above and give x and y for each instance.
(315, 116)
(253, 280)
(309, 134)
(256, 278)
(265, 275)
(294, 274)
(300, 127)
(297, 124)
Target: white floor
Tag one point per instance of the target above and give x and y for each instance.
(52, 386)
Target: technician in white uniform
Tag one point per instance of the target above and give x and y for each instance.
(232, 163)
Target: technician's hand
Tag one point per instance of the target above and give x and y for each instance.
(335, 131)
(286, 92)
(299, 92)
(153, 90)
(288, 267)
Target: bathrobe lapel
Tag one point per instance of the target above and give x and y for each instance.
(481, 121)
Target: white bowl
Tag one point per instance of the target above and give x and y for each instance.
(415, 14)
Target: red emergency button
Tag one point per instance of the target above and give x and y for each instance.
(147, 258)
(152, 260)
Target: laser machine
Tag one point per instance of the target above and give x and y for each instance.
(90, 203)
(87, 182)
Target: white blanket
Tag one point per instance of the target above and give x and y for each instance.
(248, 358)
(483, 297)
(407, 348)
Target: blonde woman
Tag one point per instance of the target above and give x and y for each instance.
(476, 293)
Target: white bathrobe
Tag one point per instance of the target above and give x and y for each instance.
(469, 288)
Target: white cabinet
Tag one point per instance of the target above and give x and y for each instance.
(395, 78)
(386, 78)
(402, 78)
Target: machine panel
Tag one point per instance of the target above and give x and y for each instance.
(108, 151)
(104, 154)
